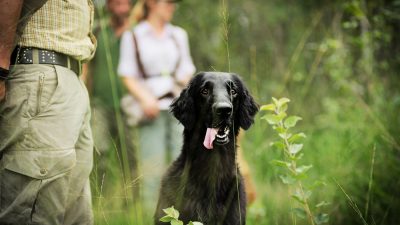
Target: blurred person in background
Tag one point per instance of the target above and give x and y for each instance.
(46, 147)
(106, 89)
(155, 64)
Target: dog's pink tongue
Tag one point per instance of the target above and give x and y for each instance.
(209, 138)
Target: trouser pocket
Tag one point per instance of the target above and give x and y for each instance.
(18, 194)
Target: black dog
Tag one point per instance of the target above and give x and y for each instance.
(204, 183)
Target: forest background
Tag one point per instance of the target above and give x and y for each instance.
(339, 64)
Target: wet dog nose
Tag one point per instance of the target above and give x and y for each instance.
(223, 109)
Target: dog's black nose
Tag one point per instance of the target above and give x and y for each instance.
(223, 109)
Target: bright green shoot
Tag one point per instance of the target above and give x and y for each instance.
(290, 144)
(172, 217)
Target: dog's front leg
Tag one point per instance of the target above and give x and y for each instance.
(236, 213)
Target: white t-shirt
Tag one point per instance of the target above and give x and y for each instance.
(159, 56)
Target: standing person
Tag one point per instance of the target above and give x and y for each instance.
(106, 88)
(152, 65)
(46, 142)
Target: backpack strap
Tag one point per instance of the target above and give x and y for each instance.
(179, 56)
(138, 60)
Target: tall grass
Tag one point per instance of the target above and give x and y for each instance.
(348, 103)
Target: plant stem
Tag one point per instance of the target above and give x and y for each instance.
(293, 170)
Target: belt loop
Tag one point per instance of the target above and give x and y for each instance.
(35, 56)
(68, 63)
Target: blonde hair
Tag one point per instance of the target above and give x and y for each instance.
(140, 11)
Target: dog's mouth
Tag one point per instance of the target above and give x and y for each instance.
(219, 136)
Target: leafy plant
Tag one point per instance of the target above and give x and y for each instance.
(172, 217)
(290, 144)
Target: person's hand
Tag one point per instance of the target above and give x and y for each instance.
(150, 107)
(2, 89)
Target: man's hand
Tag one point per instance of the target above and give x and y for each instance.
(2, 90)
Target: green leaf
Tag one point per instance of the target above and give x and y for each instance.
(299, 156)
(285, 135)
(291, 121)
(299, 212)
(287, 179)
(303, 169)
(281, 163)
(321, 218)
(277, 144)
(295, 148)
(176, 222)
(271, 119)
(284, 108)
(316, 184)
(323, 203)
(194, 223)
(297, 137)
(280, 130)
(172, 212)
(281, 116)
(167, 219)
(300, 197)
(276, 102)
(269, 107)
(283, 101)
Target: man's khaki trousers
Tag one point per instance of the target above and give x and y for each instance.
(45, 148)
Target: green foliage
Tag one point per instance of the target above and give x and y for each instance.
(294, 173)
(172, 217)
(338, 62)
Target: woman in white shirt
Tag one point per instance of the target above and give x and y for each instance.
(164, 55)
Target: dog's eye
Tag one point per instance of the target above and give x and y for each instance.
(204, 91)
(233, 92)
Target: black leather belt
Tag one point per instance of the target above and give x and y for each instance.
(28, 55)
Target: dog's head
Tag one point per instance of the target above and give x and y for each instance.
(218, 103)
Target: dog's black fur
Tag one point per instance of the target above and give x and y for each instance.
(204, 184)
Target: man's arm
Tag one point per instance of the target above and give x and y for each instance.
(10, 11)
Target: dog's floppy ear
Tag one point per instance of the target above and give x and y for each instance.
(247, 106)
(183, 108)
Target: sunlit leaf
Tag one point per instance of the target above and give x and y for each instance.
(176, 222)
(276, 102)
(167, 219)
(269, 107)
(281, 116)
(271, 119)
(297, 137)
(295, 148)
(285, 135)
(291, 121)
(283, 101)
(284, 108)
(194, 223)
(281, 163)
(171, 212)
(323, 203)
(303, 169)
(280, 130)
